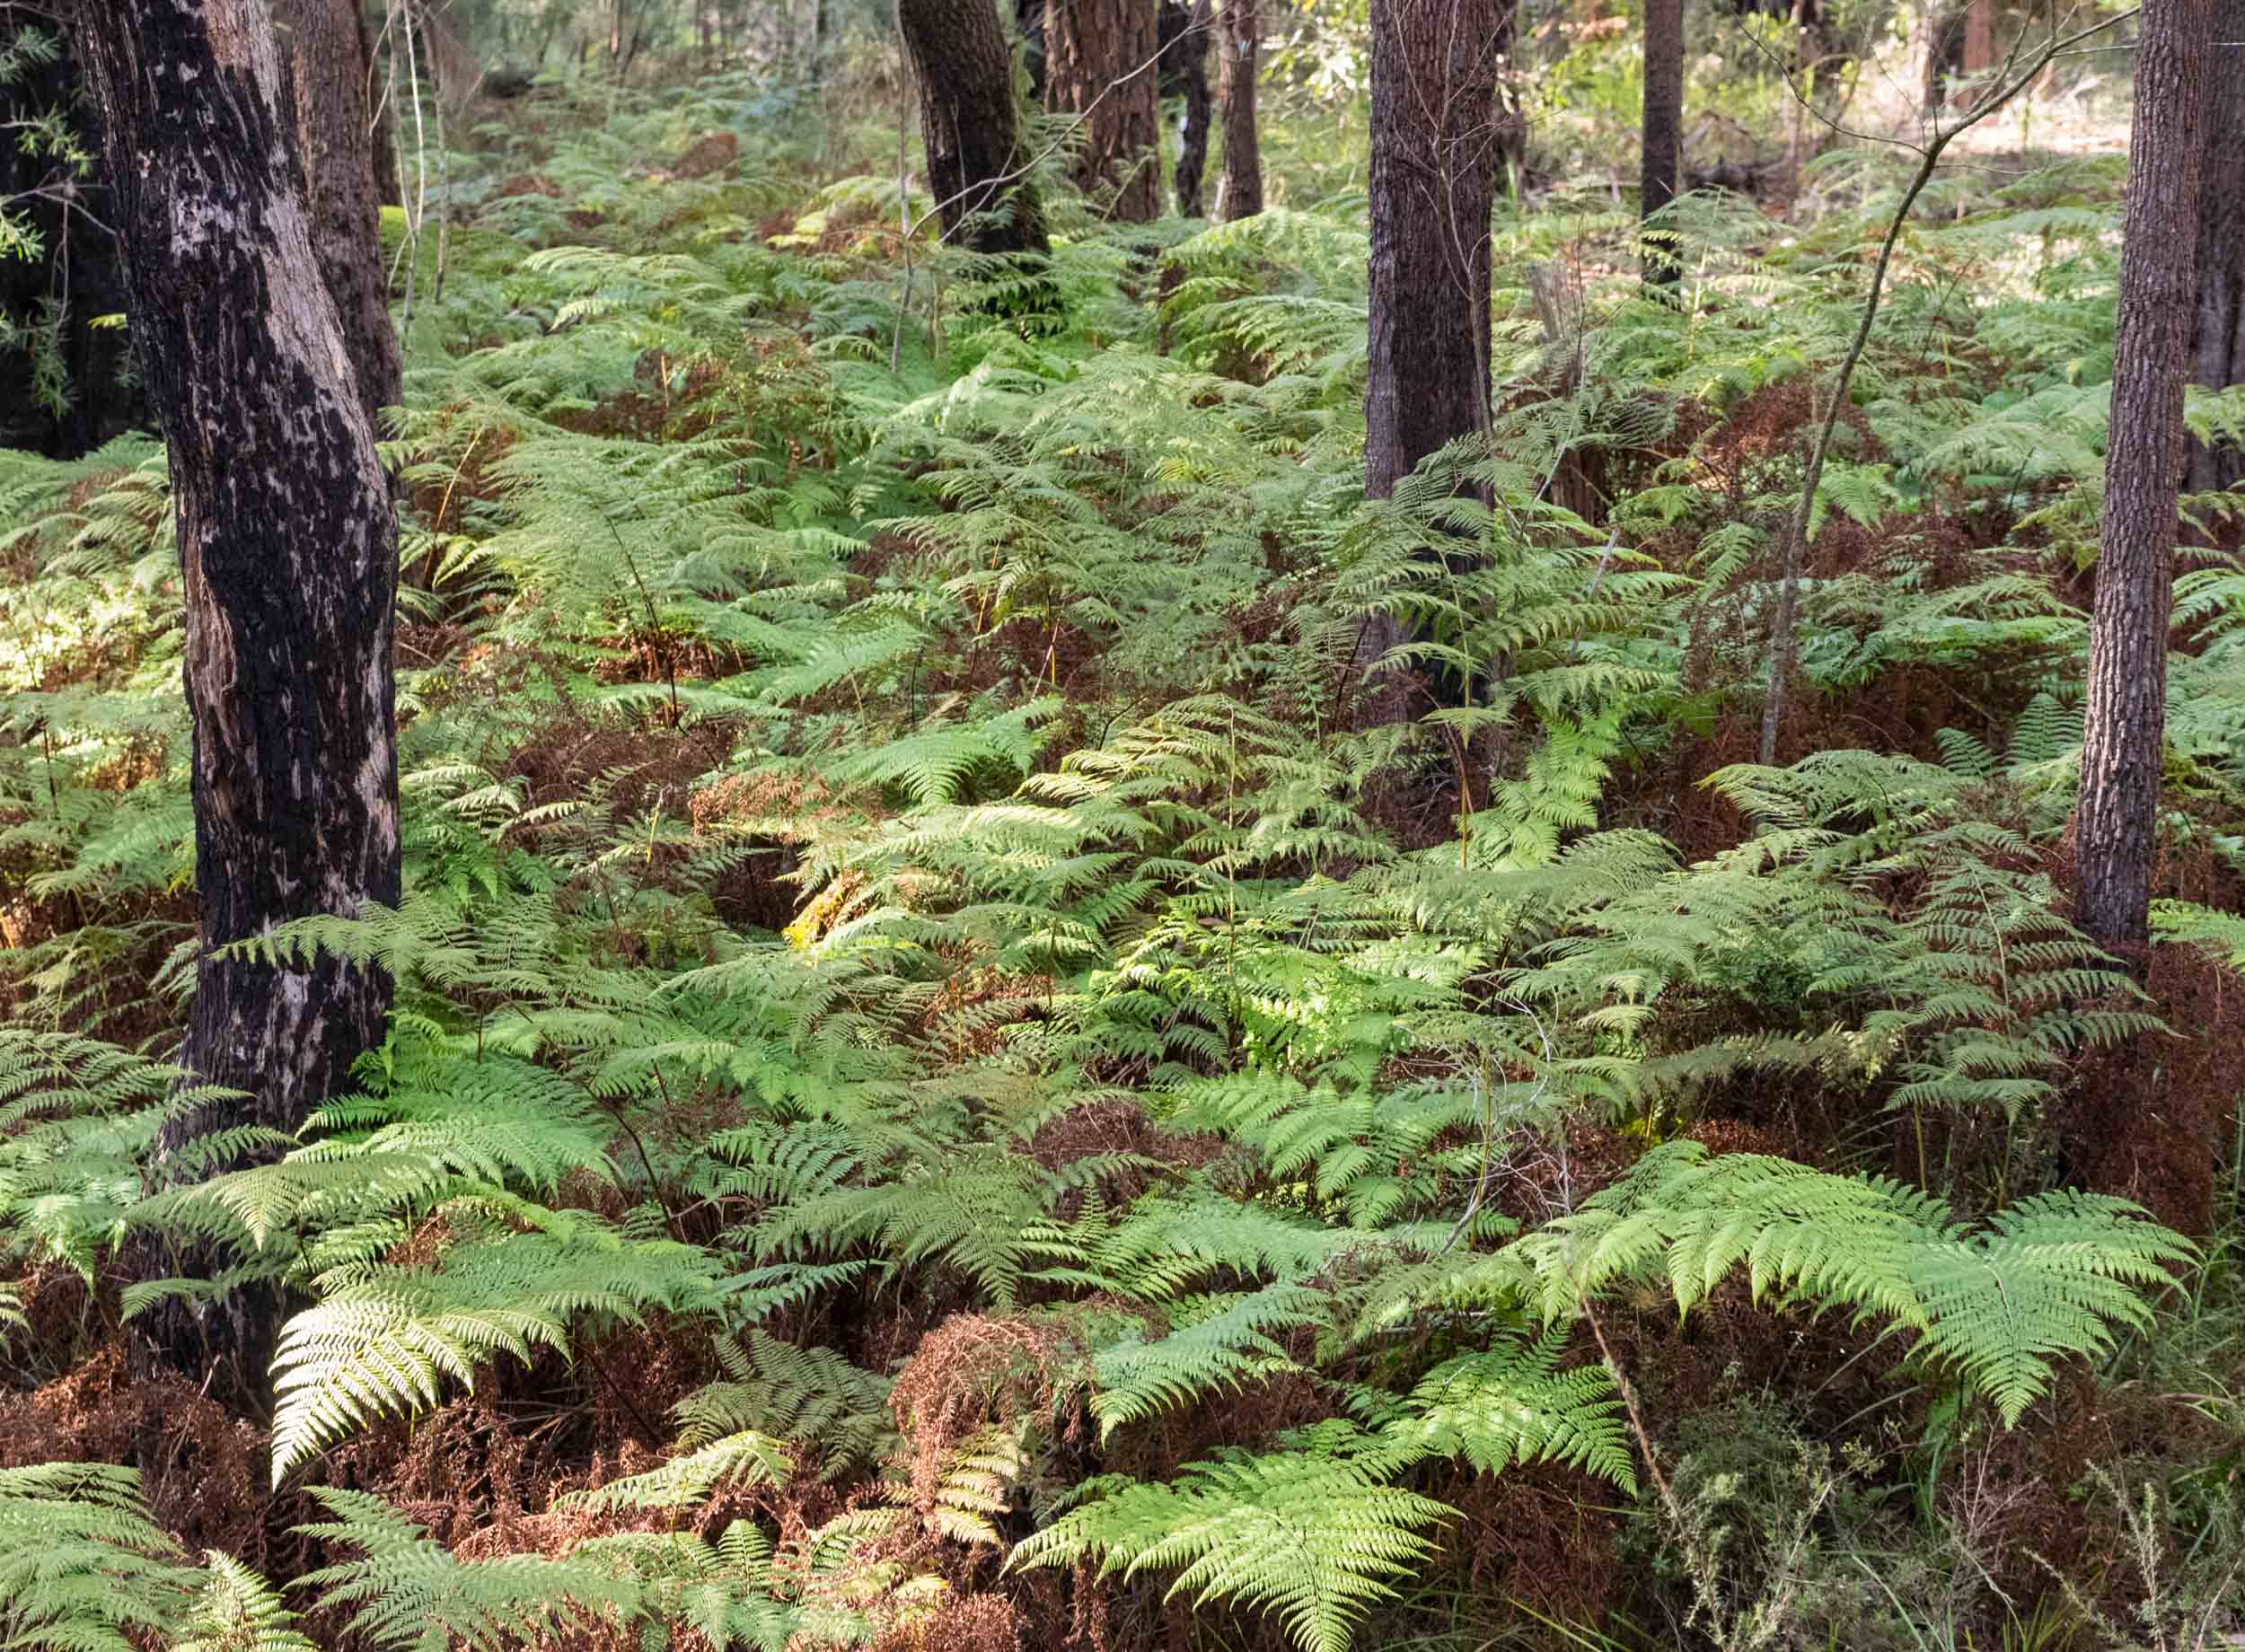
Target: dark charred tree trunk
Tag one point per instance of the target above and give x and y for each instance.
(1664, 127)
(1028, 17)
(330, 59)
(2125, 727)
(967, 118)
(2217, 345)
(68, 390)
(1100, 65)
(1185, 34)
(1437, 139)
(288, 555)
(1239, 48)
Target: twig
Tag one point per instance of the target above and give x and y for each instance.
(1783, 641)
(1636, 1421)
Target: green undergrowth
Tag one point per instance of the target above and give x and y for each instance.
(942, 1087)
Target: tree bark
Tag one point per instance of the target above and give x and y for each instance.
(1184, 58)
(330, 59)
(1437, 140)
(71, 391)
(289, 553)
(1945, 56)
(1239, 46)
(2217, 345)
(2125, 727)
(1979, 37)
(1960, 48)
(967, 118)
(1664, 128)
(1100, 64)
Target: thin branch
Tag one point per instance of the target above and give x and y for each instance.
(1783, 643)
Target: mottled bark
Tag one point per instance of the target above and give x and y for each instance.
(2217, 345)
(288, 555)
(1437, 133)
(1663, 126)
(967, 118)
(1185, 37)
(1239, 50)
(1100, 64)
(2125, 728)
(330, 57)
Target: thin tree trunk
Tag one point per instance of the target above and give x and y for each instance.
(2217, 345)
(1099, 64)
(1187, 57)
(330, 63)
(1664, 129)
(2125, 727)
(1805, 64)
(968, 120)
(1028, 21)
(1239, 48)
(69, 392)
(1435, 147)
(1945, 56)
(289, 553)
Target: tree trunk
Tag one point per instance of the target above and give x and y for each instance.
(330, 61)
(2116, 818)
(1945, 56)
(2217, 346)
(1979, 37)
(288, 555)
(1099, 64)
(1028, 19)
(1239, 45)
(967, 116)
(1185, 57)
(1436, 135)
(1960, 48)
(1664, 129)
(72, 390)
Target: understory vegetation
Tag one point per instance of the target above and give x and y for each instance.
(944, 1093)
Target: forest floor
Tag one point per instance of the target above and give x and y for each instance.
(942, 1087)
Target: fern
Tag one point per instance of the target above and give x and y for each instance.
(407, 1593)
(382, 1338)
(83, 1564)
(1513, 1406)
(2054, 1274)
(239, 1611)
(1307, 1533)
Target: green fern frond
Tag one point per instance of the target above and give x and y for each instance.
(383, 1339)
(1513, 1406)
(1309, 1535)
